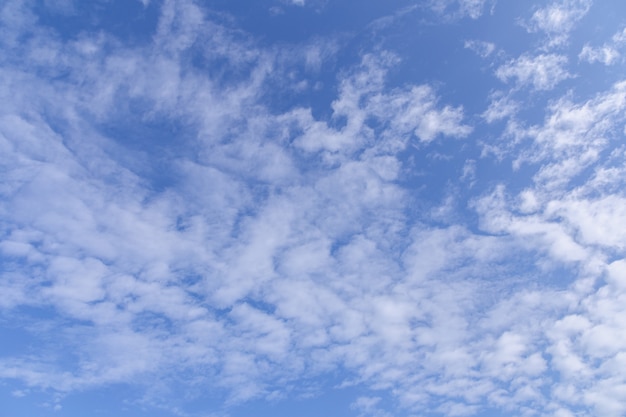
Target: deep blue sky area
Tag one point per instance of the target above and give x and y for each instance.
(310, 208)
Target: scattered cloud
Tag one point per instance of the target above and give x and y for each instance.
(500, 107)
(399, 115)
(607, 54)
(570, 225)
(558, 19)
(481, 48)
(469, 171)
(542, 72)
(460, 8)
(163, 220)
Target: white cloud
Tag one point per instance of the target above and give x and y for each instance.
(368, 406)
(572, 225)
(543, 71)
(134, 261)
(482, 48)
(608, 53)
(283, 248)
(605, 54)
(403, 112)
(573, 134)
(460, 8)
(500, 107)
(558, 19)
(469, 172)
(594, 219)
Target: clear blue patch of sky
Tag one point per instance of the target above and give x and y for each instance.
(127, 20)
(16, 340)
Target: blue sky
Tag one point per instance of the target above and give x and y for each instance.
(312, 208)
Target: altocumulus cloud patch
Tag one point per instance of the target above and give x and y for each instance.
(312, 208)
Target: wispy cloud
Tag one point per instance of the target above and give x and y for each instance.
(134, 262)
(608, 54)
(542, 72)
(460, 8)
(162, 221)
(500, 107)
(558, 19)
(482, 48)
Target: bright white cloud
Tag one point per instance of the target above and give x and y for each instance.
(558, 19)
(572, 225)
(542, 72)
(403, 113)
